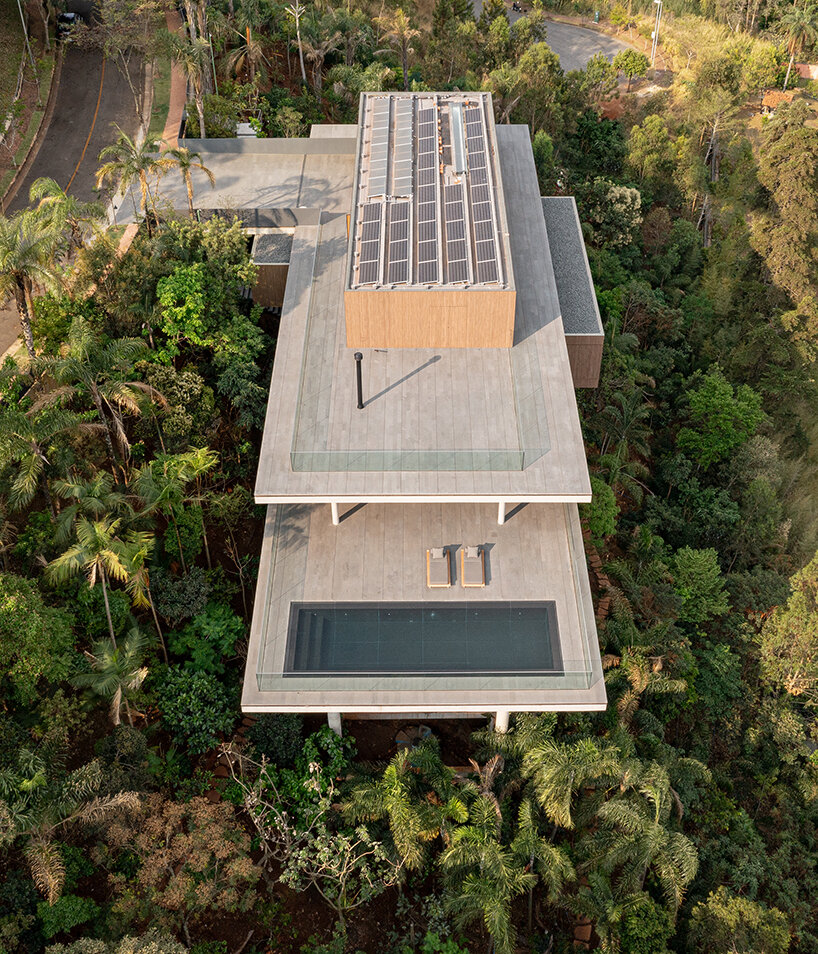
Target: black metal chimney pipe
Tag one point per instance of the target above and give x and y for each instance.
(358, 358)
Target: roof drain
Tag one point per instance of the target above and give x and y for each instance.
(458, 140)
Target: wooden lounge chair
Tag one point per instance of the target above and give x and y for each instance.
(473, 566)
(438, 567)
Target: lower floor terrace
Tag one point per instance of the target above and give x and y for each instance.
(345, 620)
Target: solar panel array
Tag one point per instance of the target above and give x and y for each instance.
(482, 213)
(426, 195)
(379, 153)
(369, 265)
(411, 202)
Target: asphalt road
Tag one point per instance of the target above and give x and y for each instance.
(573, 45)
(93, 95)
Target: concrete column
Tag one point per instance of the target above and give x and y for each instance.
(501, 720)
(334, 720)
(501, 512)
(334, 508)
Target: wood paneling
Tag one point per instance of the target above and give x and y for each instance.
(395, 318)
(271, 280)
(585, 356)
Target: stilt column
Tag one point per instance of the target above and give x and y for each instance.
(334, 720)
(501, 512)
(336, 519)
(501, 720)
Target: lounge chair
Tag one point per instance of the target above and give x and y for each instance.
(438, 567)
(473, 566)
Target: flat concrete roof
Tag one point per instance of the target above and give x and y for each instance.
(575, 286)
(516, 406)
(377, 554)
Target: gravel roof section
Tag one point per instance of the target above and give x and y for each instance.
(575, 289)
(272, 248)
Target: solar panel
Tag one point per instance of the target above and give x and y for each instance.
(403, 146)
(379, 147)
(456, 250)
(398, 269)
(369, 262)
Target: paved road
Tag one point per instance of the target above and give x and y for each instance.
(92, 96)
(574, 45)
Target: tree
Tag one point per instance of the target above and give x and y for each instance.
(193, 58)
(788, 642)
(398, 30)
(152, 942)
(316, 52)
(636, 839)
(64, 210)
(249, 56)
(186, 161)
(26, 441)
(35, 639)
(296, 10)
(800, 26)
(123, 30)
(193, 862)
(91, 367)
(599, 78)
(98, 553)
(726, 922)
(721, 417)
(129, 162)
(416, 796)
(632, 63)
(195, 708)
(651, 152)
(28, 247)
(601, 513)
(699, 585)
(40, 801)
(93, 498)
(117, 672)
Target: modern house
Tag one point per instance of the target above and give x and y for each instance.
(422, 550)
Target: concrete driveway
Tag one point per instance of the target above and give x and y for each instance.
(574, 45)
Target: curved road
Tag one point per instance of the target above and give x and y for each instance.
(574, 45)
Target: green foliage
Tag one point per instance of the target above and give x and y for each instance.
(189, 413)
(646, 928)
(601, 512)
(726, 922)
(65, 914)
(613, 212)
(153, 942)
(195, 708)
(36, 640)
(177, 598)
(208, 639)
(89, 604)
(186, 540)
(221, 116)
(53, 315)
(183, 298)
(123, 755)
(632, 63)
(699, 585)
(279, 737)
(722, 417)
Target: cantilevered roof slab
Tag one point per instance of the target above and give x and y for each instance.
(376, 558)
(480, 424)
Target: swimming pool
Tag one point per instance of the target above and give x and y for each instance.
(412, 638)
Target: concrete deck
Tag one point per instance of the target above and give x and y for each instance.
(517, 406)
(377, 554)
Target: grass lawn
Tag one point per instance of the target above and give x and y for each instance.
(11, 43)
(161, 96)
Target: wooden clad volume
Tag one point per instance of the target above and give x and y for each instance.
(425, 318)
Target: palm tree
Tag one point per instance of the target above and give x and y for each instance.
(597, 902)
(25, 439)
(623, 423)
(39, 802)
(193, 58)
(138, 549)
(355, 30)
(91, 499)
(65, 211)
(801, 30)
(559, 770)
(483, 876)
(99, 370)
(186, 161)
(98, 553)
(129, 163)
(28, 248)
(316, 52)
(635, 837)
(416, 796)
(117, 672)
(296, 10)
(249, 56)
(399, 31)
